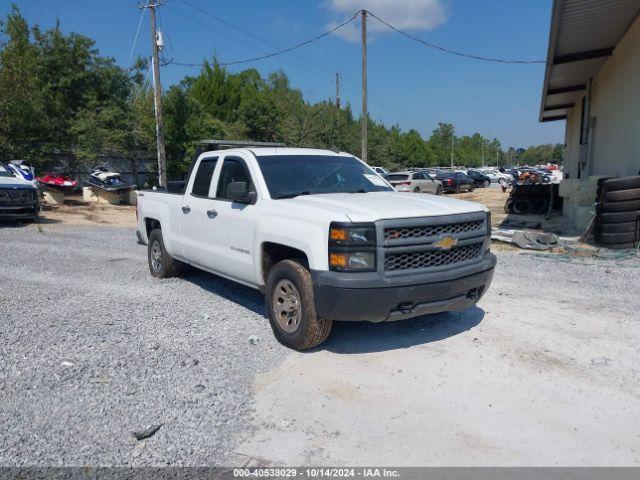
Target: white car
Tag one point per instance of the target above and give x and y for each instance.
(498, 177)
(416, 182)
(322, 235)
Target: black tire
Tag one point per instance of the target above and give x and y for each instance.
(508, 206)
(622, 183)
(539, 205)
(521, 206)
(621, 217)
(608, 238)
(602, 180)
(621, 246)
(416, 190)
(439, 190)
(627, 227)
(608, 207)
(166, 266)
(486, 184)
(311, 330)
(622, 195)
(472, 188)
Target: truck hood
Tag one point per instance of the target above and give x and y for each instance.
(13, 182)
(373, 206)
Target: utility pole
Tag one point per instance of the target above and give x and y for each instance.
(452, 149)
(157, 96)
(365, 115)
(338, 90)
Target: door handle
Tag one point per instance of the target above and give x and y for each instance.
(186, 209)
(212, 213)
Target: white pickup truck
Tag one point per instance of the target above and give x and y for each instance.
(322, 235)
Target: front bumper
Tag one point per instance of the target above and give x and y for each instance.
(397, 300)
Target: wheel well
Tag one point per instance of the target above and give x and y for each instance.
(151, 224)
(273, 253)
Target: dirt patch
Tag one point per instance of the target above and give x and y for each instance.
(75, 212)
(492, 198)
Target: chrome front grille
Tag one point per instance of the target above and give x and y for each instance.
(431, 230)
(432, 243)
(433, 258)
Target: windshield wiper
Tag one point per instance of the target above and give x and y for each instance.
(292, 195)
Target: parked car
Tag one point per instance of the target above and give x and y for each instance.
(455, 182)
(19, 198)
(417, 182)
(322, 235)
(381, 171)
(479, 179)
(498, 177)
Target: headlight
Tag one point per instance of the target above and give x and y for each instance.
(352, 247)
(360, 261)
(346, 235)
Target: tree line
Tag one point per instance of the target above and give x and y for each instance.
(59, 95)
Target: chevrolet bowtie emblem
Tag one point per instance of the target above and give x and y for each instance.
(446, 243)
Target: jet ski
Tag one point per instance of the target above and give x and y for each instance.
(57, 181)
(103, 178)
(21, 170)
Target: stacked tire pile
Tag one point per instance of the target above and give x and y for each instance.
(618, 209)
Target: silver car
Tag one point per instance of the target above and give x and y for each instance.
(417, 182)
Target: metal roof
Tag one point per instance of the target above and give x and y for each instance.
(583, 34)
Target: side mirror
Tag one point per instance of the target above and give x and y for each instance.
(239, 192)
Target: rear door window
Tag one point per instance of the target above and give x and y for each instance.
(203, 178)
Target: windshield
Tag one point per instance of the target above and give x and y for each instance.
(4, 172)
(396, 178)
(288, 176)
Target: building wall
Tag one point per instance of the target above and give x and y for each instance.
(616, 106)
(615, 147)
(615, 103)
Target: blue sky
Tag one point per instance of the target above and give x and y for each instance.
(409, 84)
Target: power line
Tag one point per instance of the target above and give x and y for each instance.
(276, 53)
(135, 39)
(453, 52)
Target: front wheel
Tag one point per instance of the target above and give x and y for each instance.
(439, 190)
(291, 309)
(486, 184)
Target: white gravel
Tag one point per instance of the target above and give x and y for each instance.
(93, 349)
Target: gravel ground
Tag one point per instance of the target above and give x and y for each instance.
(94, 349)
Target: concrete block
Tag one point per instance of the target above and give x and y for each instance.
(91, 194)
(53, 197)
(582, 216)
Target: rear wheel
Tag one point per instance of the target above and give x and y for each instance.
(291, 309)
(486, 184)
(416, 190)
(439, 190)
(161, 265)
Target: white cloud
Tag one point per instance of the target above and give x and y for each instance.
(404, 14)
